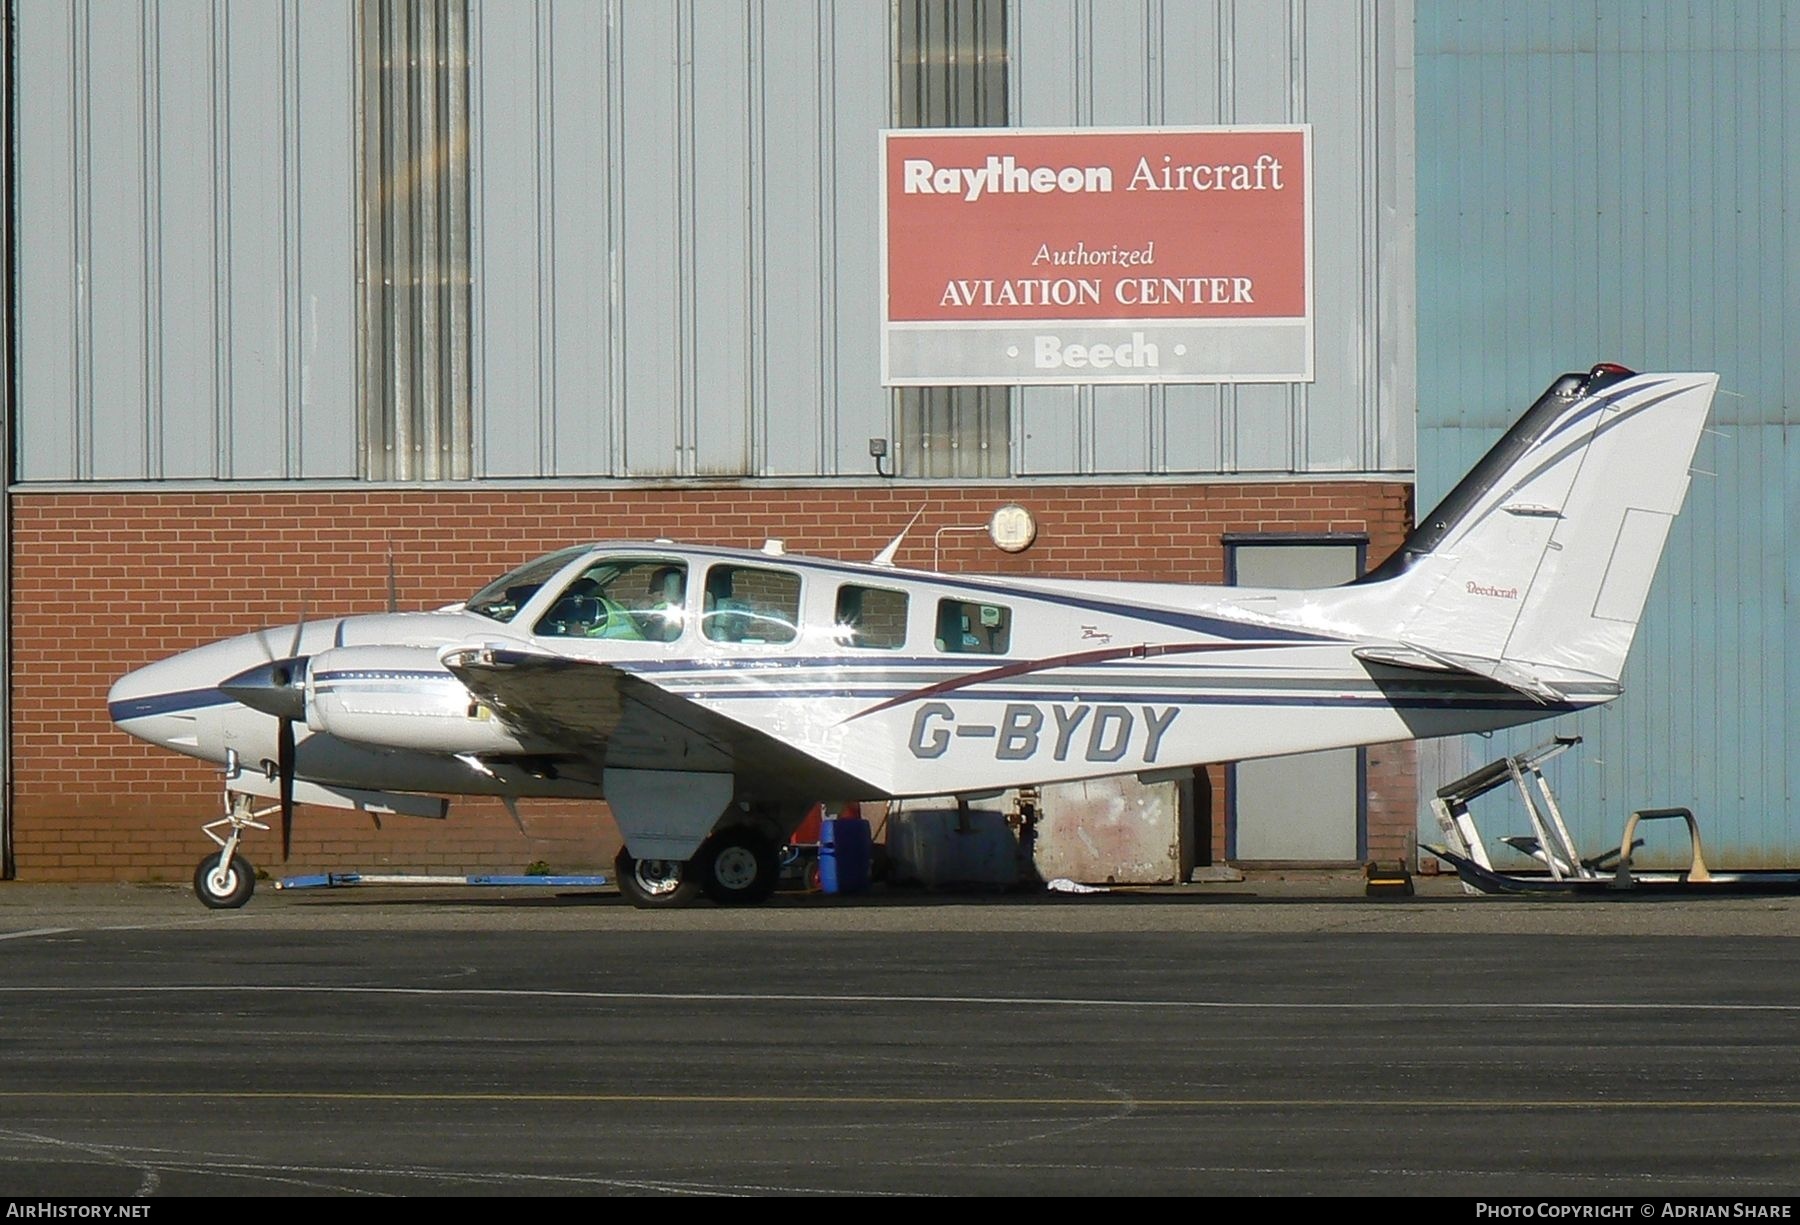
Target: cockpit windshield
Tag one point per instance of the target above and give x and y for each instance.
(501, 599)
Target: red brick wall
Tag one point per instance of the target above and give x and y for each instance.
(107, 582)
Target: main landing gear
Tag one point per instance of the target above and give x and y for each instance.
(738, 866)
(225, 881)
(655, 884)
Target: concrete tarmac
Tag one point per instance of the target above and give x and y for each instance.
(1284, 1037)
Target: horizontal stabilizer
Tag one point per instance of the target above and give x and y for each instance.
(1404, 657)
(1409, 655)
(1510, 675)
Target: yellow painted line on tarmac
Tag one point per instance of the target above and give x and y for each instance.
(799, 1099)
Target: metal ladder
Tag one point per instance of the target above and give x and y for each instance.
(1550, 842)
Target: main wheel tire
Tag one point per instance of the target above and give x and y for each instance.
(655, 884)
(738, 867)
(222, 886)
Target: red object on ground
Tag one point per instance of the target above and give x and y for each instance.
(808, 833)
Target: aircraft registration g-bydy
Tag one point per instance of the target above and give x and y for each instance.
(711, 696)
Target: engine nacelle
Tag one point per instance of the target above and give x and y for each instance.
(399, 697)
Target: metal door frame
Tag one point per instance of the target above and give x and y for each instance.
(1232, 541)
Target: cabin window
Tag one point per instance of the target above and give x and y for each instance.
(872, 618)
(751, 604)
(965, 627)
(636, 599)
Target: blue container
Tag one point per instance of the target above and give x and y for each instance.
(846, 854)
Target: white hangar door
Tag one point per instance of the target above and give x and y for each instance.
(1309, 807)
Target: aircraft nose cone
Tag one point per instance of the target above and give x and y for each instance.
(139, 699)
(277, 688)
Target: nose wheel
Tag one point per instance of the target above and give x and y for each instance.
(225, 880)
(223, 883)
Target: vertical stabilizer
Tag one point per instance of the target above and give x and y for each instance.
(1535, 569)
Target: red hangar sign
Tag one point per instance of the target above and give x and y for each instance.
(1093, 255)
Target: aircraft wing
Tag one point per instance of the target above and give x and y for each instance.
(613, 718)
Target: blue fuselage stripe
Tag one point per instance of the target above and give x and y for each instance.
(166, 704)
(1437, 701)
(177, 703)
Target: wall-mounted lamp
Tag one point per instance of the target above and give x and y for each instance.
(1012, 528)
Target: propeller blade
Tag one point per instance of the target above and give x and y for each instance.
(298, 627)
(284, 767)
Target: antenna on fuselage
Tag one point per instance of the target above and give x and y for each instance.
(886, 556)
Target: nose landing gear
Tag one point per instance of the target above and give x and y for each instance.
(225, 881)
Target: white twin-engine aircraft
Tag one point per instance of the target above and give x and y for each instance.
(711, 696)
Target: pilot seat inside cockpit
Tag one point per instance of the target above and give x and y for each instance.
(583, 612)
(725, 616)
(662, 620)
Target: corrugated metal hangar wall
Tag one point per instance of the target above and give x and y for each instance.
(380, 240)
(299, 278)
(373, 241)
(1608, 181)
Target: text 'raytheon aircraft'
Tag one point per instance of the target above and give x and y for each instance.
(711, 696)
